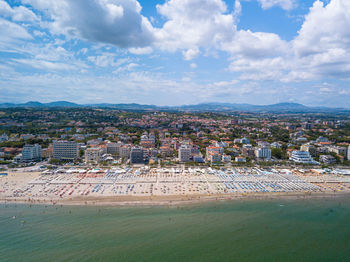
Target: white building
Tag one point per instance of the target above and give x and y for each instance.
(226, 158)
(2, 154)
(245, 140)
(276, 145)
(114, 148)
(185, 153)
(263, 153)
(321, 139)
(215, 157)
(349, 153)
(124, 151)
(338, 150)
(31, 153)
(3, 138)
(327, 159)
(211, 150)
(93, 154)
(302, 157)
(65, 150)
(240, 159)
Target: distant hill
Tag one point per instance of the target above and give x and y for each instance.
(132, 106)
(204, 107)
(35, 104)
(293, 107)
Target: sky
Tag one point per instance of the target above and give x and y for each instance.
(176, 52)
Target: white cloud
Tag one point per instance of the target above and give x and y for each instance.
(125, 68)
(18, 13)
(108, 60)
(193, 24)
(39, 33)
(259, 69)
(255, 44)
(192, 28)
(190, 54)
(116, 22)
(225, 83)
(193, 65)
(46, 65)
(284, 4)
(11, 32)
(141, 50)
(325, 28)
(322, 46)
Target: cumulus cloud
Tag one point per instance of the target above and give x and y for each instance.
(194, 24)
(192, 28)
(325, 28)
(322, 46)
(255, 44)
(18, 13)
(116, 22)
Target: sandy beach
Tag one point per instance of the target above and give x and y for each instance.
(143, 186)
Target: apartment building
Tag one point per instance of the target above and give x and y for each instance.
(65, 150)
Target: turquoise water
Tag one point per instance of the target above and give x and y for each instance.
(276, 230)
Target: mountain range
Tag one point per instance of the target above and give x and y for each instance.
(204, 107)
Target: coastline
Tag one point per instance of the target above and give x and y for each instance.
(171, 200)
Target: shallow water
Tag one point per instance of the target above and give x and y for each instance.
(275, 230)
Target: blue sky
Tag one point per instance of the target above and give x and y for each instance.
(176, 52)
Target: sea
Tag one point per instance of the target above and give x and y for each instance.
(237, 230)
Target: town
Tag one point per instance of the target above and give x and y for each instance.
(106, 137)
(107, 155)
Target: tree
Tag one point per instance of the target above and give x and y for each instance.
(54, 161)
(277, 153)
(81, 152)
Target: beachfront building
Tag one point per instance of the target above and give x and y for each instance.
(327, 159)
(124, 151)
(185, 153)
(226, 158)
(214, 157)
(31, 153)
(65, 150)
(240, 159)
(46, 152)
(308, 148)
(248, 150)
(213, 153)
(263, 153)
(137, 155)
(339, 150)
(114, 148)
(198, 159)
(302, 157)
(93, 155)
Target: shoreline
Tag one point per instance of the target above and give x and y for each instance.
(171, 200)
